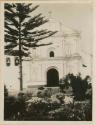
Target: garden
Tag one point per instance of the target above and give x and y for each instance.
(73, 102)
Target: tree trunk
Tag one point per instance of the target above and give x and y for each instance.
(21, 76)
(20, 57)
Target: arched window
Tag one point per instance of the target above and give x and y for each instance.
(51, 54)
(8, 61)
(16, 61)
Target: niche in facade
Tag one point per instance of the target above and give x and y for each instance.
(16, 61)
(8, 61)
(51, 54)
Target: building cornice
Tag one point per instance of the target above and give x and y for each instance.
(66, 58)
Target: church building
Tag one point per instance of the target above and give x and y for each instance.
(53, 62)
(48, 64)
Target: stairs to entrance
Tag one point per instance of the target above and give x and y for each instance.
(34, 89)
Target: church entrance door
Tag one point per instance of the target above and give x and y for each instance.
(52, 78)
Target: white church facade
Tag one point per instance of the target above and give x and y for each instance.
(53, 62)
(49, 63)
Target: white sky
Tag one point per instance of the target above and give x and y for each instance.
(75, 16)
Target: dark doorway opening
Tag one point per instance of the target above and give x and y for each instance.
(52, 78)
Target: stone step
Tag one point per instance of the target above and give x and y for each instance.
(34, 89)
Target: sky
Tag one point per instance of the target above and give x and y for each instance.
(75, 16)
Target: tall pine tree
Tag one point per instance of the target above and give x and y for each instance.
(22, 31)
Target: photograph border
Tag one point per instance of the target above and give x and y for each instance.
(93, 122)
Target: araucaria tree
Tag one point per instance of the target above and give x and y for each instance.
(22, 31)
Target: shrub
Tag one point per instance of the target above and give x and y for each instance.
(70, 112)
(79, 85)
(44, 93)
(14, 107)
(9, 107)
(46, 109)
(5, 91)
(37, 108)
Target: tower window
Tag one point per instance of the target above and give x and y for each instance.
(16, 61)
(51, 54)
(8, 61)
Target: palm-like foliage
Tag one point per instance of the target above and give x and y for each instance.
(21, 30)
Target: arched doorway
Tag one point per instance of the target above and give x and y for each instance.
(52, 78)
